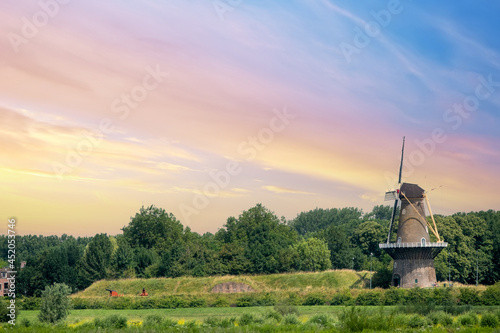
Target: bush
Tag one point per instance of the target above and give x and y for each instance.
(291, 319)
(55, 303)
(353, 319)
(152, 320)
(113, 321)
(341, 298)
(267, 299)
(274, 315)
(220, 302)
(286, 309)
(245, 301)
(491, 296)
(315, 299)
(247, 319)
(417, 321)
(489, 320)
(321, 320)
(394, 296)
(440, 317)
(198, 302)
(469, 296)
(4, 312)
(417, 296)
(368, 298)
(469, 319)
(31, 303)
(443, 296)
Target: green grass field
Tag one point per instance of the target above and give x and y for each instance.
(188, 314)
(289, 282)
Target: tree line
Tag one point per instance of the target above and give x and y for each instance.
(156, 244)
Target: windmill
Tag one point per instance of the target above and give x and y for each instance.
(413, 252)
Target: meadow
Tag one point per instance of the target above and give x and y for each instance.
(279, 318)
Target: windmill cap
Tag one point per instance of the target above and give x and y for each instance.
(412, 191)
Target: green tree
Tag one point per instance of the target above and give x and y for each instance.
(153, 228)
(55, 303)
(96, 260)
(368, 236)
(319, 219)
(311, 255)
(340, 247)
(262, 236)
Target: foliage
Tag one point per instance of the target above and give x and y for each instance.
(489, 320)
(155, 244)
(491, 296)
(315, 299)
(113, 321)
(55, 303)
(310, 255)
(4, 311)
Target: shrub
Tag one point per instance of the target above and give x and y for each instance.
(152, 320)
(353, 319)
(113, 321)
(198, 302)
(55, 303)
(469, 296)
(491, 296)
(417, 321)
(220, 302)
(368, 298)
(440, 317)
(245, 301)
(267, 299)
(31, 303)
(417, 296)
(291, 319)
(443, 296)
(286, 309)
(401, 320)
(341, 298)
(247, 319)
(315, 299)
(468, 319)
(489, 320)
(321, 320)
(394, 296)
(275, 315)
(4, 311)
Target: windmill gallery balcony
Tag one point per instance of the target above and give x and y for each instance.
(418, 250)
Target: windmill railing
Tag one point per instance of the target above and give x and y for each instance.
(412, 245)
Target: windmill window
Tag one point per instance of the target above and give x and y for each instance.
(423, 241)
(403, 211)
(399, 240)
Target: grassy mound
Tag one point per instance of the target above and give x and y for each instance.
(289, 282)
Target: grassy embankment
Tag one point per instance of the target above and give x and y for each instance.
(327, 282)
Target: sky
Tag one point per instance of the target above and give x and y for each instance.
(206, 108)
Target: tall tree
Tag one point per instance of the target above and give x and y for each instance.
(96, 260)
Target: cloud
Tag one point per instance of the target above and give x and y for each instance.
(283, 190)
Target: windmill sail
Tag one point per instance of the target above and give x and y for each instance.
(395, 194)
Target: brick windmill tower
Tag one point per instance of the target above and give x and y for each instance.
(413, 252)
